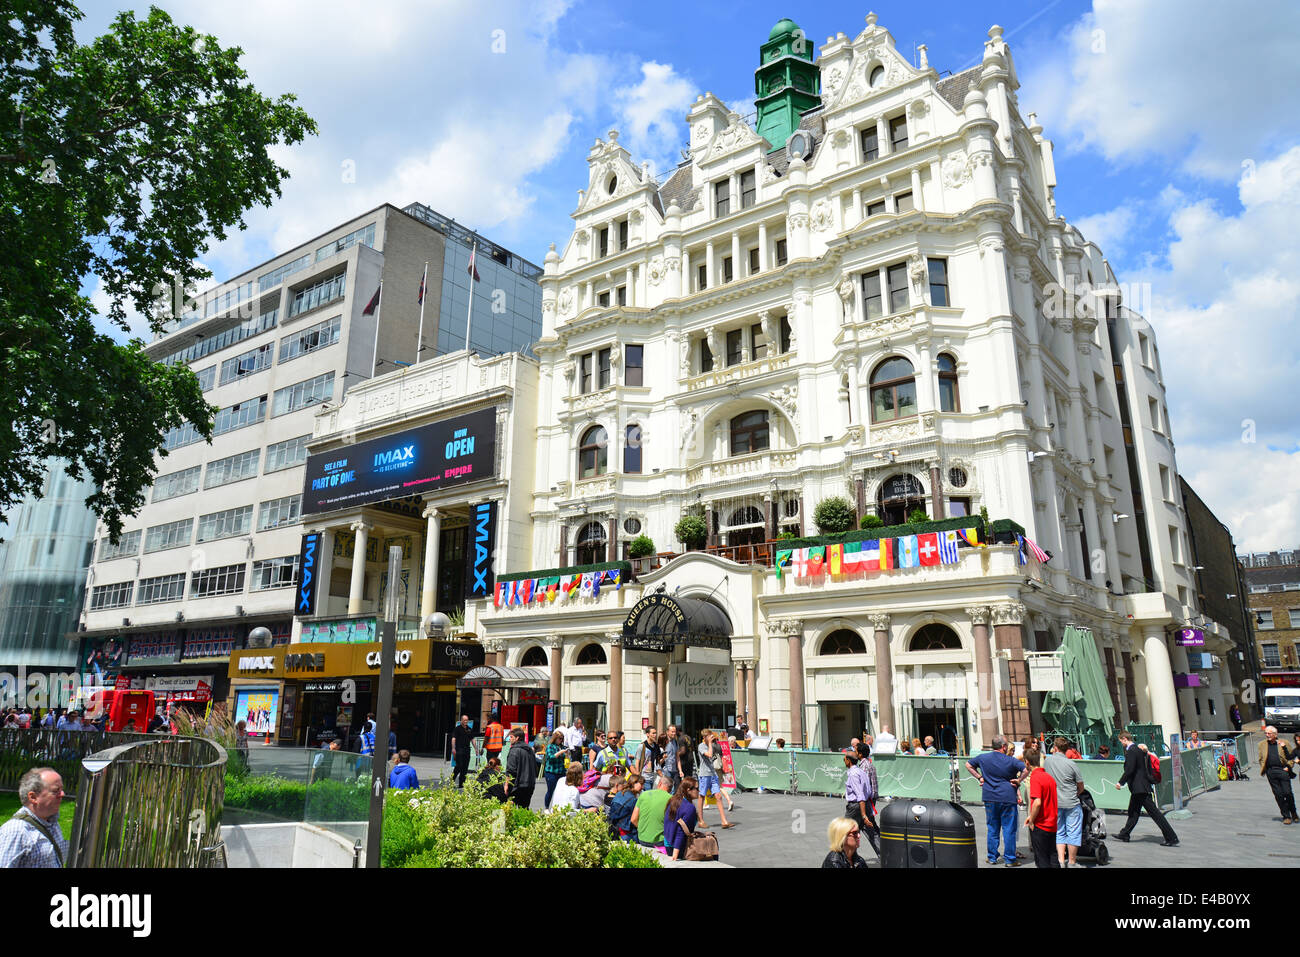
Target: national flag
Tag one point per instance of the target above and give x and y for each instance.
(374, 301)
(552, 589)
(420, 298)
(816, 560)
(585, 588)
(853, 557)
(783, 560)
(512, 595)
(908, 555)
(948, 548)
(1041, 555)
(871, 555)
(888, 559)
(473, 255)
(616, 577)
(928, 546)
(595, 585)
(971, 536)
(497, 593)
(800, 562)
(569, 585)
(525, 590)
(1020, 550)
(835, 557)
(539, 590)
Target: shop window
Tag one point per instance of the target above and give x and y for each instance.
(843, 642)
(591, 654)
(934, 638)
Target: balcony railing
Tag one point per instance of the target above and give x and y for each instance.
(743, 370)
(754, 464)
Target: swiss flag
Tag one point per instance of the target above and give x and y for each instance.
(928, 546)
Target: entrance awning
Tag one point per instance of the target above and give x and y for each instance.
(659, 621)
(492, 676)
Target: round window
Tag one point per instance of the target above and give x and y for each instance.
(957, 477)
(877, 77)
(632, 526)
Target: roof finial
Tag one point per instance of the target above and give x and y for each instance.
(871, 19)
(925, 58)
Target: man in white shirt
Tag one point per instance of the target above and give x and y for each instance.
(885, 743)
(577, 737)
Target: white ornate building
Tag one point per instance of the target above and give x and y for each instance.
(883, 305)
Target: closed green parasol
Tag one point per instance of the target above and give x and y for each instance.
(1085, 704)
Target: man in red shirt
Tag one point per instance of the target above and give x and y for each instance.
(1041, 820)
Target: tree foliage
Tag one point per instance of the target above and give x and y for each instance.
(119, 159)
(833, 515)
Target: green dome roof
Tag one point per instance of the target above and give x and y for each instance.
(784, 28)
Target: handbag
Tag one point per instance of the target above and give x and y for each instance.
(699, 847)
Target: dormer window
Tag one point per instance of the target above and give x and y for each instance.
(748, 189)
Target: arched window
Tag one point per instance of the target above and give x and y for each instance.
(593, 453)
(948, 398)
(934, 638)
(746, 526)
(534, 657)
(749, 515)
(591, 544)
(899, 495)
(893, 390)
(591, 654)
(877, 77)
(843, 642)
(749, 432)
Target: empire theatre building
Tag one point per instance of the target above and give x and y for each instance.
(417, 459)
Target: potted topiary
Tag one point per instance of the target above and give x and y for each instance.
(872, 521)
(917, 517)
(639, 551)
(833, 516)
(691, 531)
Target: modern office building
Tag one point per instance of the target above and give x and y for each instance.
(48, 544)
(869, 295)
(216, 550)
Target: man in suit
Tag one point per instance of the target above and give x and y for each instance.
(1137, 775)
(1275, 762)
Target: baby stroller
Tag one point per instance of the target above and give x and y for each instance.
(1229, 761)
(1094, 831)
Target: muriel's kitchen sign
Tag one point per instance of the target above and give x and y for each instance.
(700, 682)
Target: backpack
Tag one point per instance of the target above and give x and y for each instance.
(589, 781)
(1155, 767)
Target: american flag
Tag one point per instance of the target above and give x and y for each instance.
(1041, 555)
(948, 548)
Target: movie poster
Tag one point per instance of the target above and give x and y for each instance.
(257, 708)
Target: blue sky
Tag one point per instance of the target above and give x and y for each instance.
(1177, 151)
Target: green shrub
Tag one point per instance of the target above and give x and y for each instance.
(427, 858)
(833, 515)
(518, 818)
(641, 546)
(872, 521)
(691, 531)
(404, 837)
(786, 536)
(626, 855)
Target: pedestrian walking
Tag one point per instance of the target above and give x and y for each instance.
(462, 736)
(1235, 713)
(998, 773)
(685, 759)
(870, 790)
(671, 766)
(32, 837)
(1069, 812)
(646, 760)
(1275, 763)
(1137, 775)
(845, 835)
(521, 770)
(710, 762)
(553, 766)
(403, 776)
(1041, 819)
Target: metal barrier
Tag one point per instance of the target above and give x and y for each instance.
(22, 749)
(152, 803)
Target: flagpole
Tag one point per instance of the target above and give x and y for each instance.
(424, 294)
(379, 308)
(469, 313)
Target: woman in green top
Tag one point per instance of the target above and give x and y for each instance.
(553, 769)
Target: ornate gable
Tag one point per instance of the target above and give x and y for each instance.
(611, 175)
(737, 137)
(847, 71)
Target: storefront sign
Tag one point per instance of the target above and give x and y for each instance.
(1045, 673)
(304, 662)
(587, 689)
(841, 685)
(181, 687)
(479, 576)
(700, 682)
(452, 452)
(375, 659)
(457, 656)
(306, 583)
(1190, 637)
(255, 664)
(319, 661)
(322, 687)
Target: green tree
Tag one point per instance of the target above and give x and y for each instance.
(833, 515)
(691, 531)
(118, 160)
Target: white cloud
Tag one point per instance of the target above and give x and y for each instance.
(652, 114)
(1109, 230)
(1210, 86)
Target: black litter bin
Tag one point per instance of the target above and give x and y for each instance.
(927, 834)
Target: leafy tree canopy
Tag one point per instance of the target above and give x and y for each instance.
(118, 160)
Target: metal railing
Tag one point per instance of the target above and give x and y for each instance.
(151, 803)
(22, 749)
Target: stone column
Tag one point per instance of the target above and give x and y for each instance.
(936, 492)
(918, 199)
(564, 546)
(735, 258)
(740, 690)
(661, 696)
(356, 593)
(793, 629)
(1160, 679)
(429, 584)
(613, 540)
(762, 256)
(1008, 634)
(751, 694)
(988, 705)
(710, 269)
(556, 645)
(615, 639)
(884, 674)
(324, 570)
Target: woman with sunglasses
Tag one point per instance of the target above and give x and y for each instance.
(845, 837)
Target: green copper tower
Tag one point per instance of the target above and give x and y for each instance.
(787, 82)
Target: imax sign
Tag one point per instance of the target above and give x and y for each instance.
(401, 454)
(257, 663)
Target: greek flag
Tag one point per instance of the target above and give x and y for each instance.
(948, 548)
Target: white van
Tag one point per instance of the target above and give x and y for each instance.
(1282, 708)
